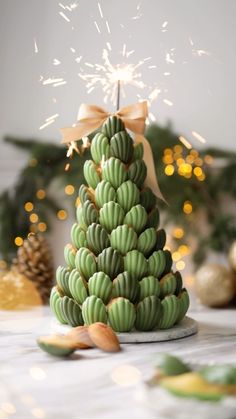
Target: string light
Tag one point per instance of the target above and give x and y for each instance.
(69, 189)
(29, 206)
(183, 249)
(18, 241)
(41, 194)
(198, 161)
(8, 408)
(178, 148)
(34, 218)
(176, 256)
(169, 170)
(179, 160)
(168, 159)
(187, 207)
(42, 227)
(202, 177)
(61, 214)
(208, 159)
(185, 169)
(197, 171)
(180, 265)
(168, 151)
(178, 233)
(186, 165)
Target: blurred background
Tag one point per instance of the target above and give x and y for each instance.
(182, 55)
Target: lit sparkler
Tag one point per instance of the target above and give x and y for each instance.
(108, 75)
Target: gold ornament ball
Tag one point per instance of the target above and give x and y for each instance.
(232, 256)
(17, 292)
(215, 285)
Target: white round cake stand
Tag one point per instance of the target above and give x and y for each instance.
(186, 327)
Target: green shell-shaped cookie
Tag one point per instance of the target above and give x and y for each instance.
(111, 262)
(170, 312)
(55, 305)
(160, 239)
(78, 236)
(90, 213)
(147, 199)
(114, 171)
(138, 152)
(100, 147)
(97, 238)
(111, 215)
(90, 173)
(219, 374)
(80, 218)
(122, 146)
(136, 218)
(62, 277)
(149, 285)
(85, 262)
(123, 239)
(78, 287)
(153, 218)
(183, 300)
(125, 285)
(121, 314)
(148, 313)
(71, 311)
(137, 172)
(94, 310)
(69, 255)
(101, 286)
(136, 264)
(157, 263)
(84, 194)
(166, 364)
(169, 261)
(179, 282)
(147, 241)
(111, 126)
(104, 193)
(168, 284)
(50, 345)
(127, 195)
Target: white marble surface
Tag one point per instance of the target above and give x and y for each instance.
(92, 384)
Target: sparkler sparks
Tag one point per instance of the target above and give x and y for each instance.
(107, 75)
(48, 121)
(198, 137)
(56, 61)
(62, 14)
(100, 10)
(97, 27)
(36, 50)
(185, 142)
(168, 102)
(108, 27)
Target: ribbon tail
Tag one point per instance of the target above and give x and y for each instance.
(151, 179)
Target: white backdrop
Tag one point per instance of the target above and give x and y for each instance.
(199, 34)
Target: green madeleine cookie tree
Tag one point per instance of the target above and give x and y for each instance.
(117, 271)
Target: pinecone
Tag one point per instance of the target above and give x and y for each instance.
(34, 260)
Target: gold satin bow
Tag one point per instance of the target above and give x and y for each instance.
(91, 117)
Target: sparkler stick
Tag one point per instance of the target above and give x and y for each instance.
(118, 95)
